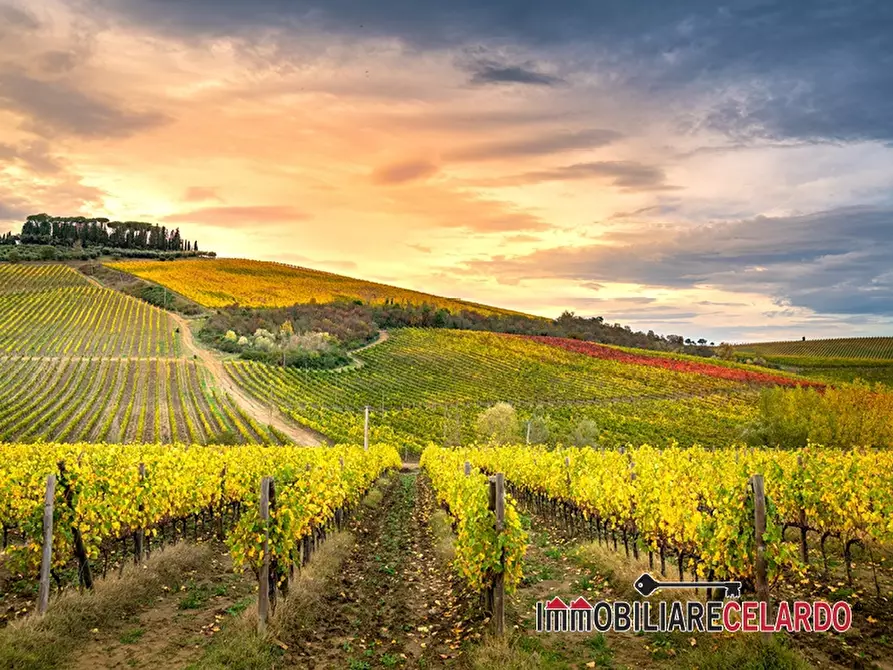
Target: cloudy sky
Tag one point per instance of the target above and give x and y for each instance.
(712, 169)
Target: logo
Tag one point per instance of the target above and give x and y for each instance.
(690, 616)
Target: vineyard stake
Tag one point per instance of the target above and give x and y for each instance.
(366, 431)
(804, 547)
(46, 562)
(497, 505)
(263, 590)
(467, 468)
(759, 523)
(140, 533)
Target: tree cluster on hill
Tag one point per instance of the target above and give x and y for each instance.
(354, 323)
(101, 232)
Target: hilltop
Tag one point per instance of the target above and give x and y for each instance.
(245, 295)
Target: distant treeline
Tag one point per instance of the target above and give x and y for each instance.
(353, 323)
(84, 232)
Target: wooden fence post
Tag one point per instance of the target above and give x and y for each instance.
(263, 590)
(497, 505)
(759, 524)
(467, 468)
(140, 533)
(46, 562)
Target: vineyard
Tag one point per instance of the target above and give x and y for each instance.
(695, 505)
(83, 321)
(83, 363)
(19, 278)
(108, 493)
(877, 348)
(118, 400)
(218, 283)
(738, 373)
(424, 384)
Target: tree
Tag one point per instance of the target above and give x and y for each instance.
(14, 256)
(539, 430)
(499, 424)
(726, 351)
(48, 253)
(585, 434)
(702, 341)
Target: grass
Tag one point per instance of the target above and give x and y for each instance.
(46, 642)
(132, 636)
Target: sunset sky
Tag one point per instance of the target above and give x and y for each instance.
(710, 169)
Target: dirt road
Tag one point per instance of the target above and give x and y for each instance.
(258, 411)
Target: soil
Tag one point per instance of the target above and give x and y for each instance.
(251, 407)
(175, 630)
(394, 604)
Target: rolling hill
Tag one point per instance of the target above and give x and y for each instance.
(223, 282)
(828, 360)
(870, 348)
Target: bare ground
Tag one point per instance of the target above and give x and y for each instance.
(252, 407)
(393, 603)
(173, 631)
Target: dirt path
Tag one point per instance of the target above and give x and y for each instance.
(257, 411)
(357, 363)
(174, 630)
(395, 604)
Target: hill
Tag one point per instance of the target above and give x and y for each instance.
(224, 282)
(829, 360)
(81, 362)
(873, 348)
(247, 295)
(426, 384)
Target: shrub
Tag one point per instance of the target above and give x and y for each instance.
(849, 416)
(499, 424)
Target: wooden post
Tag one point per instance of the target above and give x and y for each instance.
(759, 524)
(221, 506)
(366, 431)
(467, 468)
(804, 547)
(46, 562)
(140, 533)
(528, 431)
(85, 575)
(497, 505)
(567, 472)
(263, 590)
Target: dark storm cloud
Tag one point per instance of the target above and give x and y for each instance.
(626, 175)
(56, 107)
(540, 145)
(834, 262)
(809, 70)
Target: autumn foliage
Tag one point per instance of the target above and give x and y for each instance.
(675, 364)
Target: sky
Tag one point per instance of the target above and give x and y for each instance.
(716, 170)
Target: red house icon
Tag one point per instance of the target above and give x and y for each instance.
(581, 615)
(553, 617)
